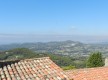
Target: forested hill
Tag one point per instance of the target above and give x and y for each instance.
(71, 48)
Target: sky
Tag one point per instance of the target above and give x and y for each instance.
(48, 20)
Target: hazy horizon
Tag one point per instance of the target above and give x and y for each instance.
(53, 20)
(31, 38)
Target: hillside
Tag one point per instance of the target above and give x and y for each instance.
(70, 48)
(24, 53)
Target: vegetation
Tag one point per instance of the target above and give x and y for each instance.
(68, 48)
(66, 62)
(95, 60)
(18, 53)
(68, 67)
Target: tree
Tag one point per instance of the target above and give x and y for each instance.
(95, 60)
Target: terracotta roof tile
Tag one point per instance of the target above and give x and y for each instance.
(33, 69)
(99, 73)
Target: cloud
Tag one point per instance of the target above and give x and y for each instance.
(73, 28)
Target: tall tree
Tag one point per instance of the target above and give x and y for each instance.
(95, 60)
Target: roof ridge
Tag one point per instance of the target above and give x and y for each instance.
(24, 59)
(41, 58)
(35, 68)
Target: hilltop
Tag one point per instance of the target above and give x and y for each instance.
(71, 48)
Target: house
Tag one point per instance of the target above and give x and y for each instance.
(98, 73)
(45, 69)
(32, 69)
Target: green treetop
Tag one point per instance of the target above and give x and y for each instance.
(95, 60)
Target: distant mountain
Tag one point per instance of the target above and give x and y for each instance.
(72, 48)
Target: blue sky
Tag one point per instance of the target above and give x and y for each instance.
(53, 18)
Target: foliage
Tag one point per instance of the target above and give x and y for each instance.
(17, 53)
(95, 60)
(68, 67)
(23, 53)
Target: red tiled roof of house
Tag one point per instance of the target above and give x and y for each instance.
(33, 69)
(100, 73)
